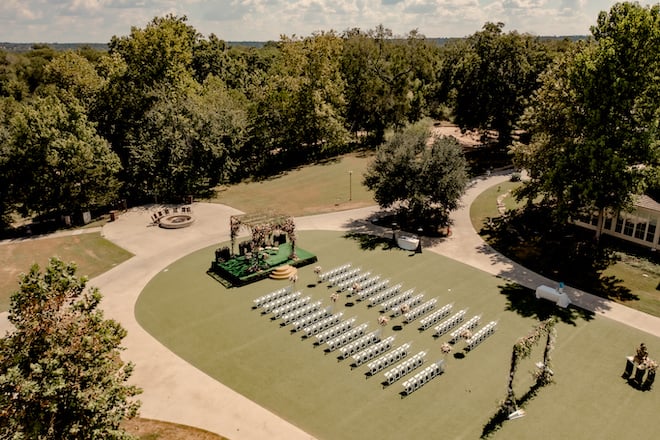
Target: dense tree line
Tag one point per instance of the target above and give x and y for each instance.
(168, 112)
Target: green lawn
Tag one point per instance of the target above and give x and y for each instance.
(640, 279)
(332, 186)
(217, 330)
(642, 282)
(92, 253)
(485, 205)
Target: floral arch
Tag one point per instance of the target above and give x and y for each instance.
(262, 225)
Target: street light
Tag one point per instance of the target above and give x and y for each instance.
(350, 186)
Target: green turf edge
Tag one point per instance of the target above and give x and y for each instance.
(217, 331)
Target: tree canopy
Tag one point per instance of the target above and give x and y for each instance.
(423, 182)
(184, 113)
(54, 160)
(61, 375)
(593, 123)
(489, 76)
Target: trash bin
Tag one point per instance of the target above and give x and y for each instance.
(113, 215)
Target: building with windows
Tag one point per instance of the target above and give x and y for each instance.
(639, 226)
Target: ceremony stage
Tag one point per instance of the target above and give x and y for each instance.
(240, 270)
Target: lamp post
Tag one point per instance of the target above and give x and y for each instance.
(350, 186)
(419, 244)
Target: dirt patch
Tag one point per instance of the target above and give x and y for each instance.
(467, 139)
(148, 429)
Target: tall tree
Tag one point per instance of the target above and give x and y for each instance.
(57, 163)
(72, 76)
(490, 76)
(154, 58)
(188, 142)
(594, 121)
(209, 58)
(61, 375)
(424, 182)
(11, 84)
(386, 79)
(7, 204)
(298, 114)
(152, 73)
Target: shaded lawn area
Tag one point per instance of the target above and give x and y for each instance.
(312, 189)
(565, 255)
(217, 330)
(92, 253)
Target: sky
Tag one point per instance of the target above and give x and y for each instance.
(96, 21)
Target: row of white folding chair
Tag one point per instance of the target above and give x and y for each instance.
(335, 331)
(323, 324)
(305, 310)
(344, 276)
(360, 285)
(409, 304)
(385, 295)
(335, 271)
(393, 302)
(279, 302)
(469, 325)
(286, 308)
(357, 279)
(273, 295)
(347, 337)
(360, 344)
(398, 371)
(365, 293)
(449, 323)
(311, 318)
(481, 335)
(436, 316)
(389, 358)
(423, 377)
(419, 310)
(375, 350)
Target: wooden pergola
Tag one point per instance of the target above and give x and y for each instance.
(262, 225)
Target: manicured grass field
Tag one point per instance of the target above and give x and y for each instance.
(641, 279)
(92, 253)
(313, 189)
(485, 205)
(217, 330)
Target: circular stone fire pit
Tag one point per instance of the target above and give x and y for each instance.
(176, 221)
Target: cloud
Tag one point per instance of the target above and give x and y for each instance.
(99, 20)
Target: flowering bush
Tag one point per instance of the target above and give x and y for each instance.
(650, 364)
(466, 334)
(641, 355)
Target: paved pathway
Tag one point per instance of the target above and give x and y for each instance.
(176, 391)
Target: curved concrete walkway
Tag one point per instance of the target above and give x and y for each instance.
(176, 391)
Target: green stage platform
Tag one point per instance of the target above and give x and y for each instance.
(246, 269)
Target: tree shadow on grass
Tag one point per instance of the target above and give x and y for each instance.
(371, 242)
(612, 289)
(498, 419)
(523, 301)
(561, 252)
